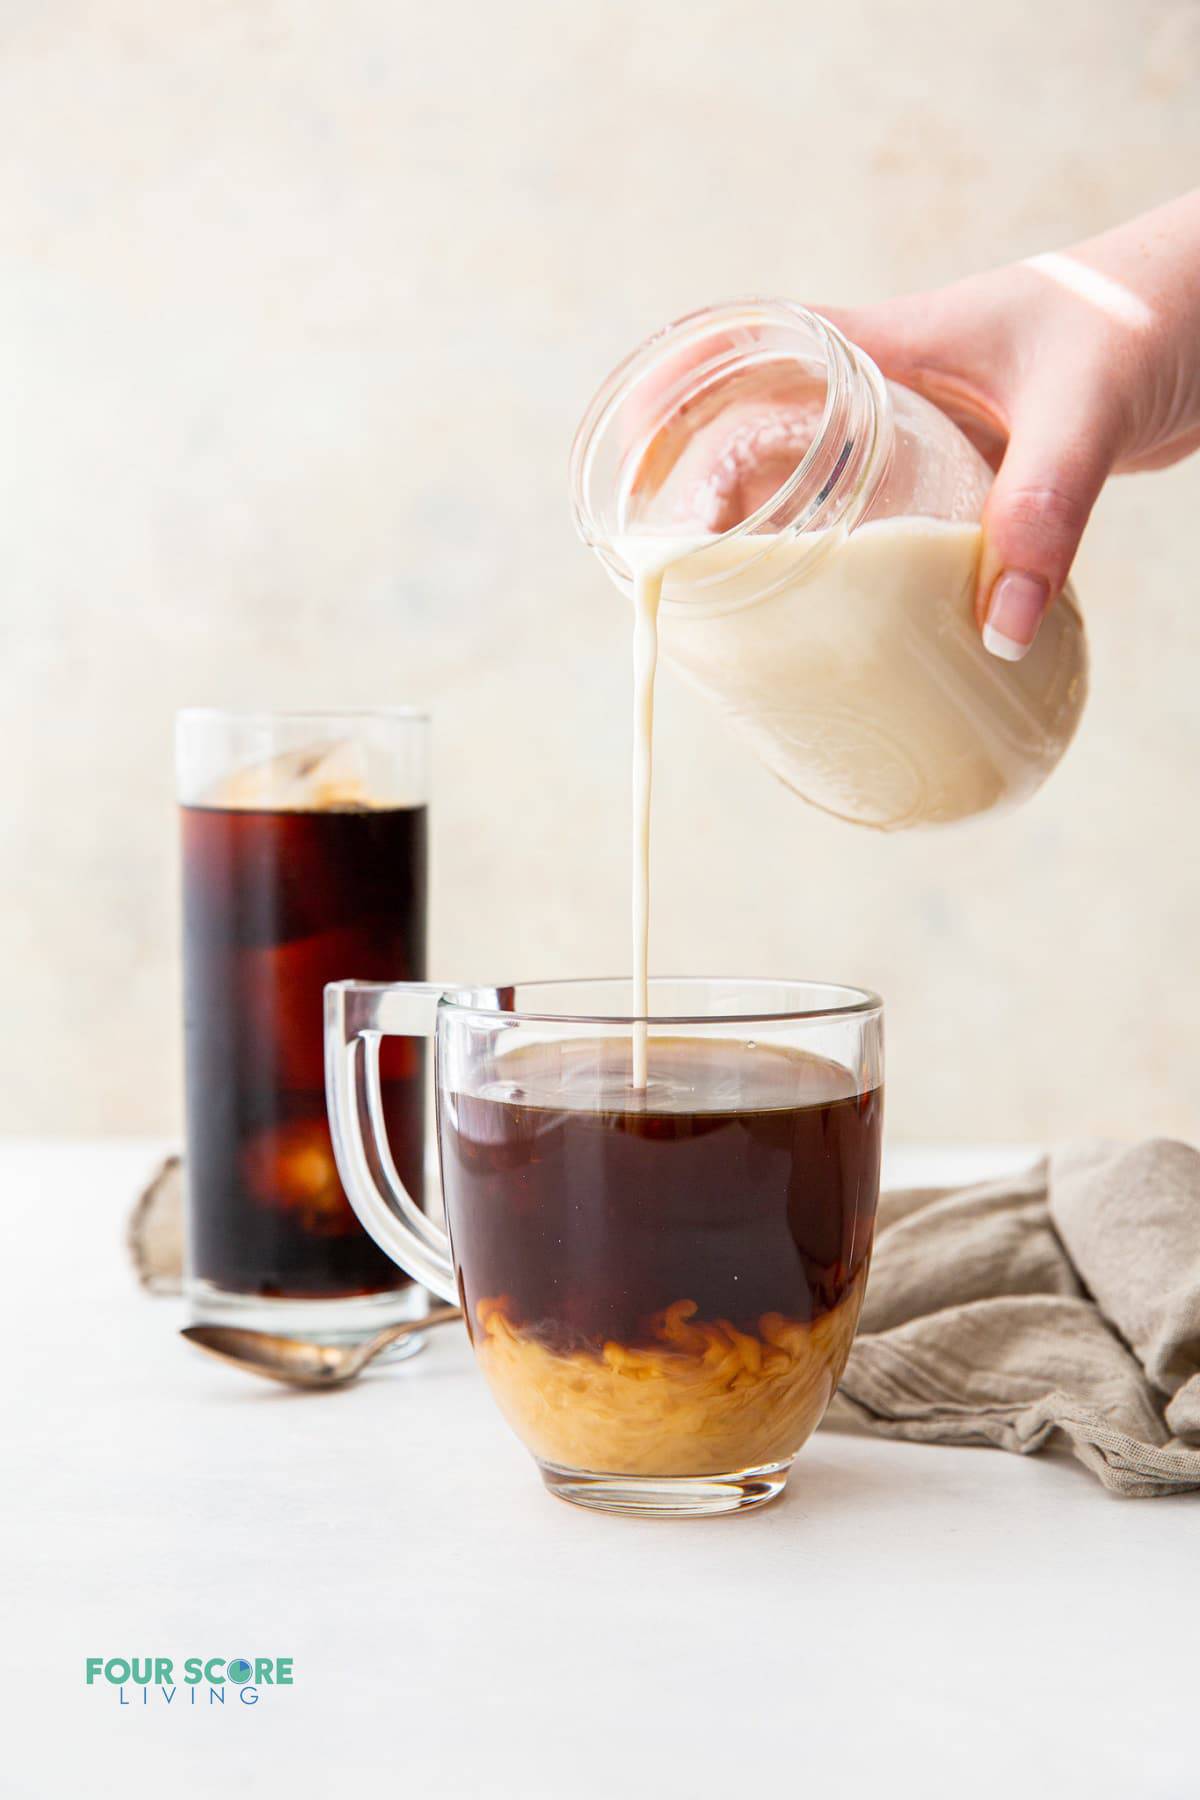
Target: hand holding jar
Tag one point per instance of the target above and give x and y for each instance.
(1063, 370)
(842, 501)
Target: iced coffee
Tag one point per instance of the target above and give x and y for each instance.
(294, 874)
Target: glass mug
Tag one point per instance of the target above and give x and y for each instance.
(304, 854)
(661, 1285)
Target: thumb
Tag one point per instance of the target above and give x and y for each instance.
(1053, 469)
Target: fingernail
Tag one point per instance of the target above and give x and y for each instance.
(1014, 613)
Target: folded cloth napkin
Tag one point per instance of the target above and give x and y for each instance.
(1064, 1302)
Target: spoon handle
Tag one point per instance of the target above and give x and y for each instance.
(437, 1315)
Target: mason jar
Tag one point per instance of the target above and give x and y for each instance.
(817, 533)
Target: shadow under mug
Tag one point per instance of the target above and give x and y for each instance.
(661, 1284)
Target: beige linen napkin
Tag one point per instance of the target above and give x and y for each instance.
(1063, 1301)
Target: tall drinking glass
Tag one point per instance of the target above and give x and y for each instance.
(304, 860)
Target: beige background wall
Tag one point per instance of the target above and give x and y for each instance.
(298, 306)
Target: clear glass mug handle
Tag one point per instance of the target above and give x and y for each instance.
(358, 1015)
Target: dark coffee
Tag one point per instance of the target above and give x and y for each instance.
(276, 904)
(743, 1182)
(663, 1281)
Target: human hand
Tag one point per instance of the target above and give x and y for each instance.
(1062, 370)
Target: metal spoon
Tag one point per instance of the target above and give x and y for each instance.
(299, 1363)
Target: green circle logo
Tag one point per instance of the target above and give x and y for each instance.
(239, 1670)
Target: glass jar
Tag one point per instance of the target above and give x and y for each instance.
(818, 532)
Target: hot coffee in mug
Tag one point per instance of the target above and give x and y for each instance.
(661, 1281)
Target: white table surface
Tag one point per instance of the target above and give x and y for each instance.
(905, 1621)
